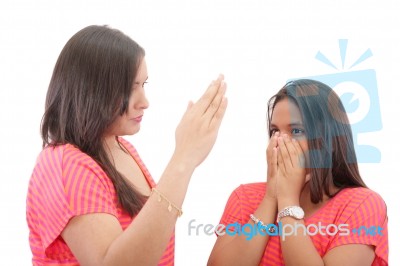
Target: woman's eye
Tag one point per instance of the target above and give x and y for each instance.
(272, 131)
(297, 131)
(144, 83)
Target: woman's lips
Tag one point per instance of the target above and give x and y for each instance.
(138, 119)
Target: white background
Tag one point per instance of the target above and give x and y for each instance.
(258, 45)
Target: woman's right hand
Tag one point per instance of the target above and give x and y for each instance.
(272, 165)
(197, 131)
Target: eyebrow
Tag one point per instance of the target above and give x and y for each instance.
(291, 124)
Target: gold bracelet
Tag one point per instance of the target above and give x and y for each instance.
(170, 204)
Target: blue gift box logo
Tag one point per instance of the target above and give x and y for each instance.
(358, 91)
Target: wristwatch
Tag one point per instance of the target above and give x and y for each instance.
(292, 211)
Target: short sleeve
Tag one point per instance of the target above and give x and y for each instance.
(243, 201)
(66, 183)
(232, 213)
(367, 225)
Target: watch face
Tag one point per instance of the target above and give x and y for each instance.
(293, 211)
(298, 213)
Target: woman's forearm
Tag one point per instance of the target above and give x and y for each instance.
(238, 250)
(297, 247)
(152, 228)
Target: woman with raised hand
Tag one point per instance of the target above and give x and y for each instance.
(91, 200)
(314, 208)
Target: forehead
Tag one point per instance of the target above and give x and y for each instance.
(286, 112)
(142, 69)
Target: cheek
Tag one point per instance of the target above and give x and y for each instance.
(117, 124)
(303, 144)
(113, 128)
(130, 110)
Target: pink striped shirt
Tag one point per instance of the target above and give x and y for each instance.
(65, 183)
(353, 206)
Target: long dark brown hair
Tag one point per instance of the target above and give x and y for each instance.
(331, 155)
(90, 87)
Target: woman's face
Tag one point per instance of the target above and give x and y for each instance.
(129, 122)
(286, 119)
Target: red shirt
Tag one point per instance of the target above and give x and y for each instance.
(65, 183)
(353, 206)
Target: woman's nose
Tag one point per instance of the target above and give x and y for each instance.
(141, 101)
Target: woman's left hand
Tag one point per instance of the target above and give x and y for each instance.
(291, 169)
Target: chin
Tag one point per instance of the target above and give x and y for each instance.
(132, 131)
(128, 131)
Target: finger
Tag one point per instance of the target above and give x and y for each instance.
(292, 151)
(216, 102)
(273, 165)
(273, 143)
(300, 162)
(219, 115)
(206, 99)
(281, 163)
(284, 152)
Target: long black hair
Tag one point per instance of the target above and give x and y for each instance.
(331, 154)
(90, 87)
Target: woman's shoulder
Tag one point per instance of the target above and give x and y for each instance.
(358, 195)
(61, 151)
(358, 201)
(65, 156)
(243, 201)
(67, 170)
(251, 190)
